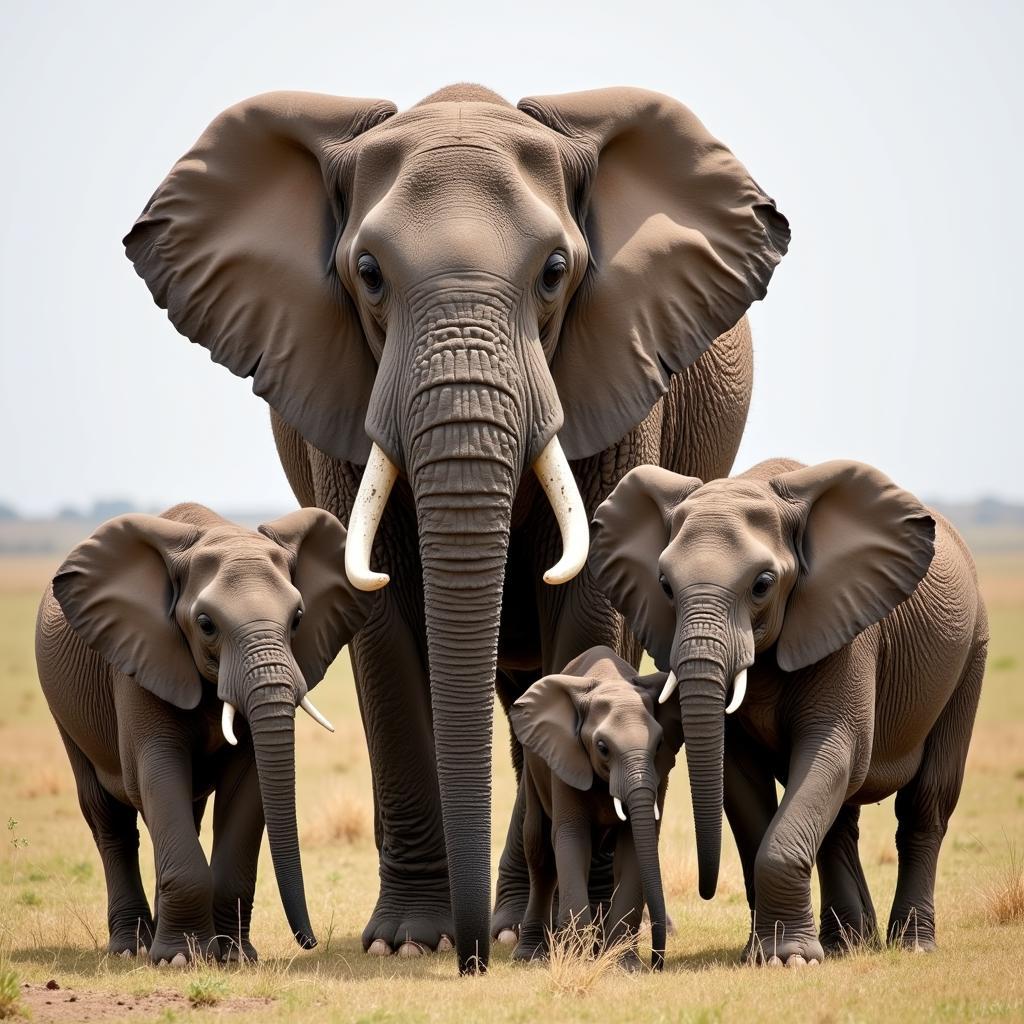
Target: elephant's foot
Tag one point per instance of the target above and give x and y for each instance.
(531, 949)
(506, 920)
(413, 916)
(629, 960)
(131, 938)
(177, 950)
(782, 945)
(912, 930)
(843, 931)
(230, 953)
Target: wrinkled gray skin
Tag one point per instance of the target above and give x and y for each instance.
(857, 615)
(590, 734)
(149, 627)
(461, 283)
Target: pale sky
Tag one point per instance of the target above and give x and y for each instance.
(889, 134)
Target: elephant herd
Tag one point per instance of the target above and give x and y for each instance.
(506, 346)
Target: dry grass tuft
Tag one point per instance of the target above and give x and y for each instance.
(1004, 900)
(10, 994)
(342, 819)
(577, 960)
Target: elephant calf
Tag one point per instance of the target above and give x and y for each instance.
(598, 718)
(153, 632)
(850, 618)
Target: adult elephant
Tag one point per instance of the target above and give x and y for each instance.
(451, 296)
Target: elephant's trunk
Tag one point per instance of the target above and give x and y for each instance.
(268, 688)
(702, 672)
(640, 802)
(464, 508)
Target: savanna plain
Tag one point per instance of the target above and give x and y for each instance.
(53, 911)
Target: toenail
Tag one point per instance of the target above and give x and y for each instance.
(445, 944)
(774, 961)
(507, 937)
(796, 960)
(410, 949)
(178, 960)
(379, 948)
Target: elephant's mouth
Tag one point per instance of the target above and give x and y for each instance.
(553, 473)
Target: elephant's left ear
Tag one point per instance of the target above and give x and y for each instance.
(667, 715)
(682, 240)
(334, 611)
(863, 543)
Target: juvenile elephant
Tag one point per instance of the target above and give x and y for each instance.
(596, 744)
(155, 631)
(849, 617)
(443, 306)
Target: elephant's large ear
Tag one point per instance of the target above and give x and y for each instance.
(682, 240)
(118, 590)
(631, 529)
(334, 611)
(668, 715)
(238, 245)
(547, 720)
(863, 544)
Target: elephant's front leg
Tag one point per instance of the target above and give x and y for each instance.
(818, 779)
(237, 832)
(572, 838)
(413, 911)
(184, 926)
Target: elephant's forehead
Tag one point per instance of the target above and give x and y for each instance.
(475, 130)
(238, 552)
(736, 513)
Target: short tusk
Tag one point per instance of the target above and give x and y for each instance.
(227, 723)
(555, 476)
(670, 684)
(310, 708)
(618, 809)
(657, 813)
(739, 689)
(378, 479)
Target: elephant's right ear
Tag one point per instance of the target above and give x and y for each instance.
(547, 720)
(238, 245)
(681, 241)
(118, 592)
(631, 529)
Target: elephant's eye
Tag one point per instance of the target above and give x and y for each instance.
(763, 584)
(602, 748)
(297, 619)
(666, 586)
(206, 625)
(369, 273)
(554, 270)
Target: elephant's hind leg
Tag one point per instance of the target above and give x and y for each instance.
(114, 827)
(923, 809)
(847, 913)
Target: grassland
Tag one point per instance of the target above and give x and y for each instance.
(52, 904)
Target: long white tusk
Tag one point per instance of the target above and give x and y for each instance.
(310, 708)
(555, 476)
(227, 723)
(657, 813)
(670, 684)
(618, 809)
(378, 479)
(739, 689)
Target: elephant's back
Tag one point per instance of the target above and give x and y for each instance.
(75, 680)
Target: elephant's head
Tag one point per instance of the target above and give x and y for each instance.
(458, 293)
(711, 576)
(600, 718)
(192, 601)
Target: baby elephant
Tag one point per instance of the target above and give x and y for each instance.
(155, 631)
(598, 718)
(849, 616)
